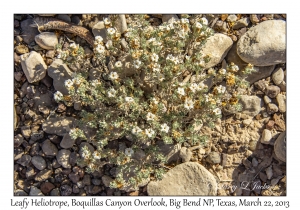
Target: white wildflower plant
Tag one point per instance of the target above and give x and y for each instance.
(145, 97)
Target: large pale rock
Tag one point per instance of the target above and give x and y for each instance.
(33, 66)
(251, 105)
(58, 125)
(264, 44)
(59, 72)
(217, 46)
(185, 179)
(46, 40)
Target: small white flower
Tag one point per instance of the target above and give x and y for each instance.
(108, 44)
(188, 103)
(201, 63)
(118, 64)
(106, 21)
(198, 25)
(98, 39)
(180, 91)
(187, 57)
(97, 155)
(136, 130)
(222, 71)
(182, 34)
(156, 67)
(164, 128)
(161, 77)
(111, 31)
(113, 75)
(155, 101)
(100, 49)
(220, 89)
(129, 99)
(74, 46)
(76, 81)
(68, 83)
(58, 96)
(149, 132)
(129, 152)
(217, 111)
(85, 154)
(204, 21)
(154, 57)
(137, 64)
(184, 20)
(170, 57)
(152, 40)
(111, 93)
(201, 86)
(150, 116)
(193, 87)
(95, 82)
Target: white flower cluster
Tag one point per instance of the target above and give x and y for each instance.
(99, 48)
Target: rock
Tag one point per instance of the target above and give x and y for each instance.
(185, 154)
(186, 179)
(19, 192)
(266, 136)
(170, 151)
(106, 180)
(244, 22)
(121, 24)
(213, 158)
(96, 181)
(28, 32)
(24, 160)
(43, 175)
(272, 108)
(58, 125)
(55, 192)
(21, 49)
(76, 20)
(280, 147)
(254, 19)
(63, 158)
(272, 91)
(46, 40)
(33, 66)
(100, 30)
(269, 172)
(87, 180)
(281, 101)
(34, 191)
(59, 72)
(65, 190)
(38, 162)
(18, 140)
(74, 177)
(267, 100)
(46, 187)
(49, 148)
(64, 17)
(67, 141)
(251, 105)
(270, 124)
(278, 76)
(35, 136)
(217, 46)
(169, 18)
(231, 18)
(264, 44)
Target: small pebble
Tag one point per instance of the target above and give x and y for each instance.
(266, 136)
(272, 91)
(278, 76)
